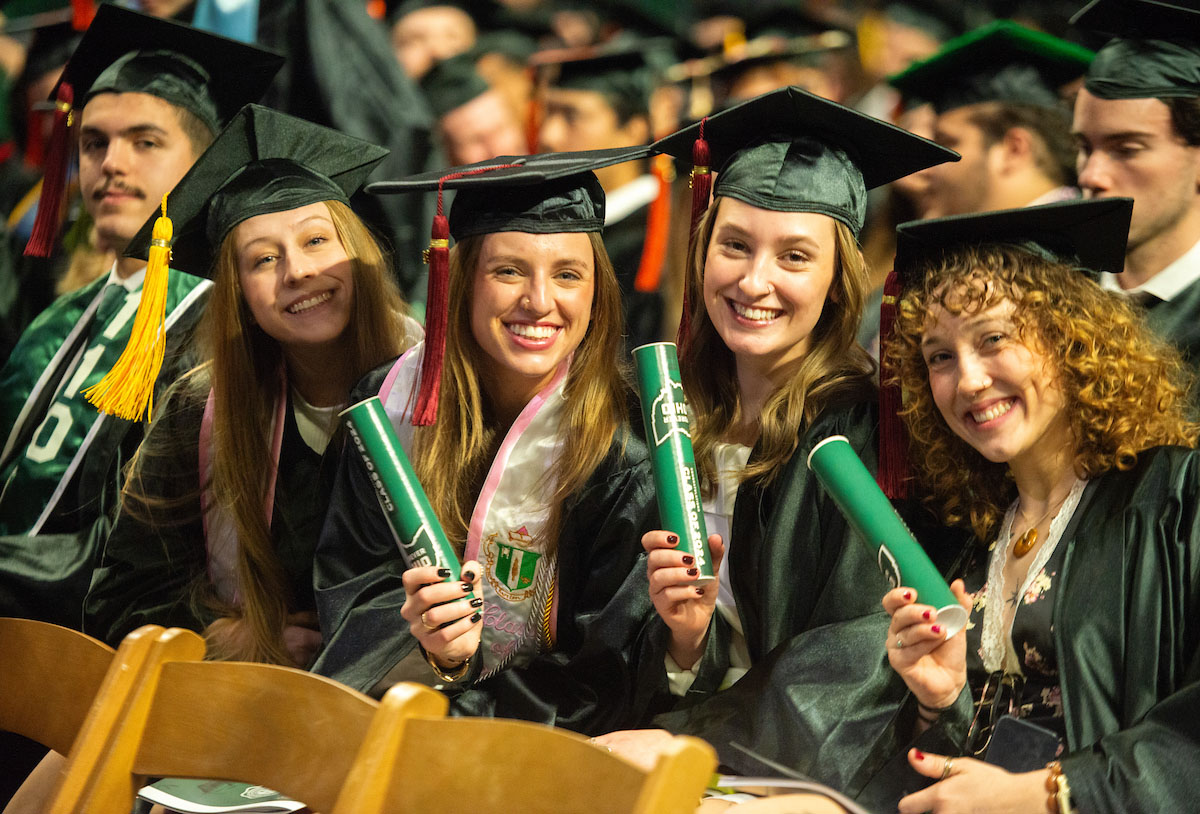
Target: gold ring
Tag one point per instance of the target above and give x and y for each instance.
(946, 769)
(425, 622)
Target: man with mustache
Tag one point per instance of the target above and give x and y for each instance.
(150, 95)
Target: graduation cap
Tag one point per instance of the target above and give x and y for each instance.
(1090, 235)
(940, 19)
(124, 51)
(792, 151)
(451, 83)
(624, 71)
(547, 193)
(264, 161)
(1001, 62)
(1156, 52)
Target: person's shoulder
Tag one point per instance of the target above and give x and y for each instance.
(1160, 475)
(373, 380)
(852, 410)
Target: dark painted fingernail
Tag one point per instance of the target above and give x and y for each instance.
(475, 617)
(699, 592)
(469, 576)
(444, 573)
(688, 559)
(476, 603)
(908, 594)
(936, 628)
(467, 587)
(927, 615)
(672, 539)
(692, 572)
(918, 754)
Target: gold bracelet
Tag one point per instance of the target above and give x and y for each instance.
(1059, 799)
(455, 673)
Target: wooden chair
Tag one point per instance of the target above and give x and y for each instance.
(289, 730)
(411, 765)
(48, 678)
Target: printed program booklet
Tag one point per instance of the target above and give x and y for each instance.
(216, 797)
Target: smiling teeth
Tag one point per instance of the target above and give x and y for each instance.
(756, 314)
(311, 302)
(995, 411)
(532, 331)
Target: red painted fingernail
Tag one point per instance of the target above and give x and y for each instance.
(692, 572)
(926, 615)
(936, 628)
(688, 559)
(699, 592)
(918, 754)
(908, 594)
(672, 539)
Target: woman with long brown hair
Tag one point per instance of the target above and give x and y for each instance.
(527, 458)
(770, 365)
(1047, 420)
(227, 495)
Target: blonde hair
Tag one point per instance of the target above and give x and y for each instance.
(835, 368)
(1125, 389)
(452, 457)
(244, 370)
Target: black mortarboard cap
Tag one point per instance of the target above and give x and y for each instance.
(452, 83)
(125, 51)
(1156, 53)
(543, 194)
(1000, 62)
(792, 151)
(648, 18)
(941, 19)
(623, 71)
(264, 161)
(1089, 234)
(786, 19)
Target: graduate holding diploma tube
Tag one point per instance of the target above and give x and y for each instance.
(1046, 418)
(774, 291)
(518, 432)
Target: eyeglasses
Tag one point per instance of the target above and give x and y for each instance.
(1001, 695)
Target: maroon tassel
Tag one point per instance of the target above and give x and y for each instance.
(54, 179)
(436, 304)
(894, 475)
(701, 182)
(82, 14)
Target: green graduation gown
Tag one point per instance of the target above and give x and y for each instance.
(584, 683)
(61, 477)
(155, 569)
(1126, 630)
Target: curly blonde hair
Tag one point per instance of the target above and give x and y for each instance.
(1125, 390)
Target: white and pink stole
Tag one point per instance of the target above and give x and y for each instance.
(506, 529)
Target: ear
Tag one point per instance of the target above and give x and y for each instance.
(1016, 149)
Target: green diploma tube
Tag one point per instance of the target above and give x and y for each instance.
(669, 433)
(420, 536)
(868, 510)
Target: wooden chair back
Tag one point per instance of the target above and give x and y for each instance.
(484, 765)
(292, 731)
(49, 676)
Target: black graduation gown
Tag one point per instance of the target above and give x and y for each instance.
(1126, 630)
(1178, 321)
(584, 683)
(150, 569)
(643, 310)
(808, 593)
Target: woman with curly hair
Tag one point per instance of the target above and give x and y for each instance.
(1045, 417)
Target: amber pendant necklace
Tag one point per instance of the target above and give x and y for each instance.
(1028, 540)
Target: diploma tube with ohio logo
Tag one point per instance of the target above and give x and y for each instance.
(868, 510)
(418, 533)
(669, 433)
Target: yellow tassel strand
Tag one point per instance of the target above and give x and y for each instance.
(127, 391)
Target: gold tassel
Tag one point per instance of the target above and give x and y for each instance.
(127, 391)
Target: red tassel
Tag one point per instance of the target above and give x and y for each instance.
(54, 179)
(701, 187)
(35, 144)
(894, 474)
(436, 304)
